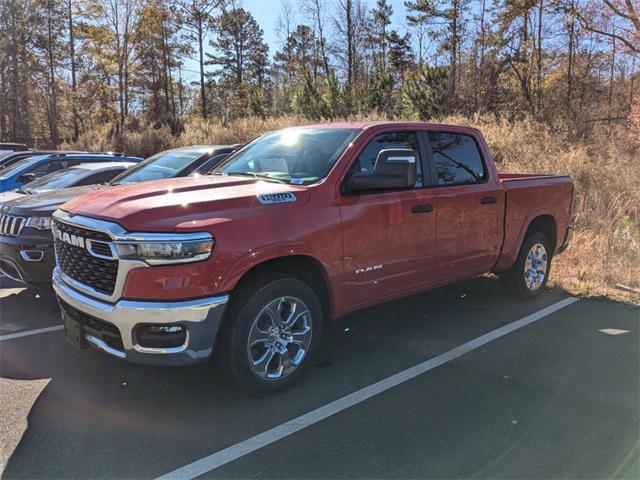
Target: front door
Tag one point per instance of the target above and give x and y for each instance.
(389, 236)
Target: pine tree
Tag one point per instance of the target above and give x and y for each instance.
(242, 56)
(197, 19)
(377, 34)
(159, 50)
(448, 18)
(426, 92)
(242, 52)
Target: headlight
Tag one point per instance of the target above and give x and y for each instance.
(39, 223)
(158, 253)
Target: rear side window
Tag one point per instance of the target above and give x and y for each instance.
(367, 159)
(457, 158)
(97, 178)
(48, 167)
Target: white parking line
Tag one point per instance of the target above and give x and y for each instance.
(263, 439)
(28, 333)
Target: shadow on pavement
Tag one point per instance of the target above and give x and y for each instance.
(101, 417)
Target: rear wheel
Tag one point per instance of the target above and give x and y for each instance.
(529, 274)
(274, 325)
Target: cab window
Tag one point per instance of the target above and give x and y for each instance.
(457, 158)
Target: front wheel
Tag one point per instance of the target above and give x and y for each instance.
(529, 274)
(275, 324)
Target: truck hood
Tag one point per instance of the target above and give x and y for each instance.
(184, 204)
(42, 204)
(10, 195)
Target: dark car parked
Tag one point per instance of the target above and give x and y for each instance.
(14, 147)
(177, 162)
(79, 175)
(26, 251)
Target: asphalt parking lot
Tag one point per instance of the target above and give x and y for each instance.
(554, 396)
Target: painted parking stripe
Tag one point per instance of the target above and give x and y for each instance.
(268, 437)
(28, 333)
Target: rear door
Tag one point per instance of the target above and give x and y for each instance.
(470, 206)
(389, 236)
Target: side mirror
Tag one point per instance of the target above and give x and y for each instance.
(395, 168)
(26, 178)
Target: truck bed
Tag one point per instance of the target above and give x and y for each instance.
(529, 196)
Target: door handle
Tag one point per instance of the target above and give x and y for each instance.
(422, 208)
(488, 200)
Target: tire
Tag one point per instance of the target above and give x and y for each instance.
(528, 276)
(280, 361)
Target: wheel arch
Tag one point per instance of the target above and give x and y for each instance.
(540, 221)
(545, 224)
(304, 267)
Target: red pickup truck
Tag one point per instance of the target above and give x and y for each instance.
(300, 226)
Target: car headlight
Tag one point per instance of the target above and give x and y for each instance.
(39, 223)
(166, 252)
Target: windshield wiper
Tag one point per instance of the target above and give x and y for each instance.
(266, 176)
(23, 191)
(262, 176)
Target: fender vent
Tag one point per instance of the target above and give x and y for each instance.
(270, 198)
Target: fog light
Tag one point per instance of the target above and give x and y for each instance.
(161, 336)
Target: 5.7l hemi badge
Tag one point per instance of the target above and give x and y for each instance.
(270, 198)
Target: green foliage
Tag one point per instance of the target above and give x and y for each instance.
(381, 94)
(426, 92)
(307, 99)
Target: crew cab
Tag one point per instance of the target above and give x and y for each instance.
(298, 227)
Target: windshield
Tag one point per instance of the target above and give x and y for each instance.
(16, 167)
(296, 155)
(52, 181)
(159, 166)
(4, 155)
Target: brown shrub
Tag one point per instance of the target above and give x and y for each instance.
(142, 141)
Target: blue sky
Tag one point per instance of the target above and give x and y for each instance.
(266, 12)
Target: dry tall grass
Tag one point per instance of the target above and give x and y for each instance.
(606, 246)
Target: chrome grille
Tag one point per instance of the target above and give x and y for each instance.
(11, 225)
(80, 265)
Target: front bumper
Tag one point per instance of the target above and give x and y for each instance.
(200, 318)
(29, 257)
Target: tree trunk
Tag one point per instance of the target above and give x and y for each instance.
(53, 114)
(454, 52)
(612, 73)
(325, 60)
(539, 56)
(72, 54)
(570, 65)
(203, 96)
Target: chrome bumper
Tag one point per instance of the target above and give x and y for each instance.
(200, 317)
(567, 240)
